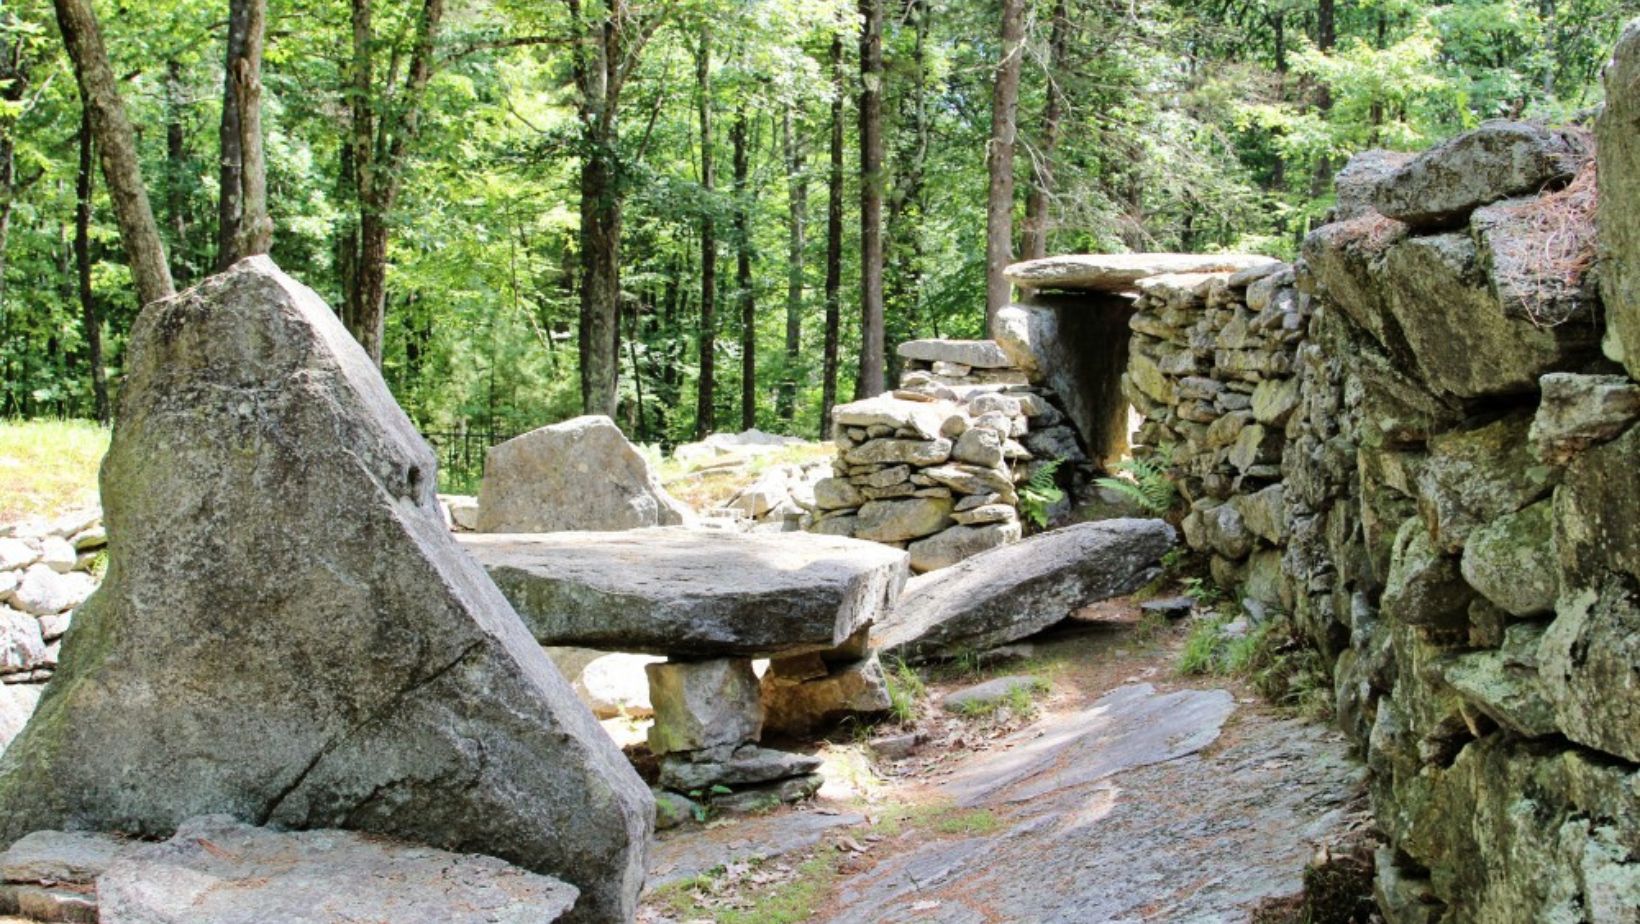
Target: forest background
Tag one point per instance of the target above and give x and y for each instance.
(710, 214)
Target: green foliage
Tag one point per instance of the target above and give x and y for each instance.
(1040, 493)
(905, 690)
(1147, 484)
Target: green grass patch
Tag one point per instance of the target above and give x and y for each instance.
(972, 823)
(750, 899)
(906, 690)
(48, 466)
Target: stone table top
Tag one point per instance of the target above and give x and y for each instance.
(690, 593)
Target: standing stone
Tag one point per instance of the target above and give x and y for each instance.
(703, 704)
(1618, 131)
(581, 474)
(288, 633)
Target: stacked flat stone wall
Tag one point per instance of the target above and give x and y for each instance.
(1211, 371)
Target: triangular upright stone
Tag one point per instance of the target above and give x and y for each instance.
(289, 635)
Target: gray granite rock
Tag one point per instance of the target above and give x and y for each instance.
(320, 652)
(1498, 159)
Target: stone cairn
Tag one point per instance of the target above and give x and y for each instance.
(45, 572)
(1211, 369)
(934, 466)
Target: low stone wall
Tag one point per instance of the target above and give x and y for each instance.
(45, 572)
(934, 466)
(1210, 369)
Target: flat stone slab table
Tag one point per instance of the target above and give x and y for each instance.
(687, 593)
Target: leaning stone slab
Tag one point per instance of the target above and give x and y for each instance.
(981, 354)
(288, 633)
(581, 474)
(692, 593)
(1499, 159)
(1018, 590)
(219, 871)
(1119, 272)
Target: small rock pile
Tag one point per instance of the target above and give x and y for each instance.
(933, 467)
(45, 572)
(780, 500)
(1211, 368)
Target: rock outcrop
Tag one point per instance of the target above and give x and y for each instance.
(1618, 130)
(1018, 590)
(581, 474)
(288, 633)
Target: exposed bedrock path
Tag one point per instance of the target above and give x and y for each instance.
(1134, 796)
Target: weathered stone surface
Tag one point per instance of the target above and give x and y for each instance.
(898, 520)
(1591, 653)
(1521, 243)
(44, 591)
(895, 451)
(1498, 159)
(1504, 684)
(1357, 182)
(1472, 477)
(1511, 560)
(615, 685)
(77, 857)
(1425, 587)
(986, 513)
(1465, 342)
(703, 704)
(1578, 411)
(1274, 400)
(800, 706)
(979, 446)
(21, 646)
(836, 494)
(683, 592)
(980, 354)
(581, 474)
(1120, 272)
(16, 554)
(985, 695)
(1619, 199)
(218, 871)
(896, 413)
(741, 766)
(1020, 333)
(288, 633)
(1017, 590)
(949, 546)
(1264, 513)
(17, 702)
(1081, 344)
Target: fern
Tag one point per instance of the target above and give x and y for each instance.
(1040, 493)
(1147, 484)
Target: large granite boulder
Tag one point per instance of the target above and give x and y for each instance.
(581, 474)
(1618, 129)
(1498, 159)
(1357, 182)
(1018, 590)
(219, 871)
(288, 633)
(1120, 272)
(690, 593)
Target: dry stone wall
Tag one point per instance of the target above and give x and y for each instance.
(1211, 370)
(1413, 449)
(934, 466)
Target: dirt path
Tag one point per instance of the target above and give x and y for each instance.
(1128, 794)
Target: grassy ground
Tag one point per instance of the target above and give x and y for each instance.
(47, 466)
(704, 490)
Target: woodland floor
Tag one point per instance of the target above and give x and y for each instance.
(1126, 793)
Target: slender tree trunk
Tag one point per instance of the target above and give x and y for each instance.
(902, 287)
(743, 277)
(15, 79)
(705, 405)
(122, 168)
(82, 265)
(176, 169)
(872, 182)
(999, 162)
(599, 339)
(229, 205)
(834, 244)
(797, 203)
(1036, 204)
(255, 232)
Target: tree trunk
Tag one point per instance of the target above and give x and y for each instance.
(743, 277)
(872, 182)
(1035, 245)
(999, 162)
(15, 84)
(599, 337)
(902, 287)
(82, 267)
(255, 232)
(705, 406)
(229, 205)
(176, 168)
(834, 243)
(122, 168)
(797, 202)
